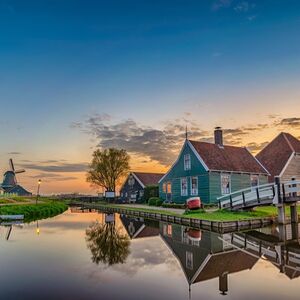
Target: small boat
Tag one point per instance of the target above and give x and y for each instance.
(193, 203)
(12, 217)
(194, 235)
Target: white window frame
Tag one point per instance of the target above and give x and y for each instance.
(186, 184)
(189, 260)
(229, 176)
(187, 162)
(194, 192)
(254, 186)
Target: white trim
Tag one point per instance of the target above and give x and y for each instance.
(287, 164)
(138, 180)
(138, 231)
(198, 156)
(181, 151)
(187, 188)
(268, 173)
(192, 185)
(228, 174)
(204, 263)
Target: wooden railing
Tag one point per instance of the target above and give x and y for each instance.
(270, 193)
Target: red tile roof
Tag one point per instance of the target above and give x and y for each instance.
(148, 178)
(228, 158)
(276, 154)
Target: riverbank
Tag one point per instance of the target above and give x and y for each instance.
(34, 211)
(218, 221)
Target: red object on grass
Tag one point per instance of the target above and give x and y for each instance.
(193, 203)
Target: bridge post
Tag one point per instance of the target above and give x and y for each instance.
(294, 213)
(280, 205)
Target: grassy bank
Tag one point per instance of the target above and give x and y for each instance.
(217, 215)
(35, 211)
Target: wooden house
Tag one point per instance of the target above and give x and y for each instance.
(134, 185)
(210, 170)
(281, 157)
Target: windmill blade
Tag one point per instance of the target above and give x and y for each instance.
(19, 171)
(12, 167)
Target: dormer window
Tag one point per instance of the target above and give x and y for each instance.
(187, 162)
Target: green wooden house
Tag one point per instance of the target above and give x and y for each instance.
(210, 170)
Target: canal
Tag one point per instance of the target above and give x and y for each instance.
(84, 254)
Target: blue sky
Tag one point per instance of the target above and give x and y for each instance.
(228, 63)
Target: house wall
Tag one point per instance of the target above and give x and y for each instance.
(177, 172)
(209, 183)
(292, 170)
(135, 189)
(238, 182)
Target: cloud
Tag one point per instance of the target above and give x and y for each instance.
(160, 145)
(221, 4)
(49, 177)
(14, 153)
(255, 147)
(58, 168)
(290, 122)
(243, 6)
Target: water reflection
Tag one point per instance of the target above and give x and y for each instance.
(107, 244)
(145, 259)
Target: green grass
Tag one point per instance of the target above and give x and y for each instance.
(35, 211)
(217, 215)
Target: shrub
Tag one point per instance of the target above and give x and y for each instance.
(174, 205)
(153, 201)
(150, 191)
(159, 202)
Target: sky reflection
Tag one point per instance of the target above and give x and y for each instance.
(57, 264)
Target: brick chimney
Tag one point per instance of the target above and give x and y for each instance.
(219, 136)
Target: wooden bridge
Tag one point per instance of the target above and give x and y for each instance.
(278, 193)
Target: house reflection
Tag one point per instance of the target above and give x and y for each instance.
(205, 255)
(138, 228)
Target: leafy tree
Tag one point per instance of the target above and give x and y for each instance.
(108, 166)
(107, 244)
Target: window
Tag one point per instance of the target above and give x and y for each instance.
(189, 260)
(225, 184)
(164, 187)
(167, 230)
(194, 186)
(254, 181)
(187, 162)
(169, 188)
(184, 187)
(141, 193)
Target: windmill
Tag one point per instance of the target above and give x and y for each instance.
(10, 183)
(10, 179)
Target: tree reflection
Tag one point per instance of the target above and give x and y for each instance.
(107, 245)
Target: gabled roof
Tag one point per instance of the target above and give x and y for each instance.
(227, 158)
(147, 178)
(277, 153)
(225, 262)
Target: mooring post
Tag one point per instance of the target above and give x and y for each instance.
(294, 213)
(280, 204)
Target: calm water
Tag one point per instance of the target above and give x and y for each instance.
(73, 257)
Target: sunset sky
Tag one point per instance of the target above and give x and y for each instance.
(76, 75)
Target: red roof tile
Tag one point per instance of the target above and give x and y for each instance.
(228, 158)
(276, 154)
(148, 178)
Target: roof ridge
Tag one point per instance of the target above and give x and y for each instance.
(287, 140)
